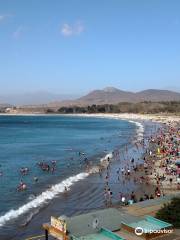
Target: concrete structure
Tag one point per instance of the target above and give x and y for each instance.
(112, 223)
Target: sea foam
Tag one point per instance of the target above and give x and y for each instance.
(140, 129)
(43, 198)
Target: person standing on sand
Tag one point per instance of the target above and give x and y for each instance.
(123, 200)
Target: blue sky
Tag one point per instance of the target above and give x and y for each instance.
(73, 46)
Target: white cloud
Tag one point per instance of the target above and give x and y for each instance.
(18, 32)
(68, 30)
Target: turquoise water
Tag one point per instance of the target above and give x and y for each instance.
(150, 224)
(96, 236)
(101, 235)
(27, 140)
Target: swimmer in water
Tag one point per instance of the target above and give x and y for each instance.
(35, 179)
(22, 186)
(65, 189)
(53, 162)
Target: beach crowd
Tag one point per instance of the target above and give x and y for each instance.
(160, 168)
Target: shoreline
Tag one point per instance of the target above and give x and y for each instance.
(111, 116)
(163, 118)
(131, 116)
(169, 122)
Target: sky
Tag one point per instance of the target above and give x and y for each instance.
(74, 46)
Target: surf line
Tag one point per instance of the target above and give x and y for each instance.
(42, 198)
(140, 129)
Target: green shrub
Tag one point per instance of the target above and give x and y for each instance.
(170, 212)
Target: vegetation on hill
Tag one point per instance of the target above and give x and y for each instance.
(125, 107)
(171, 212)
(115, 96)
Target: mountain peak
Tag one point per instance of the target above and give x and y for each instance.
(110, 89)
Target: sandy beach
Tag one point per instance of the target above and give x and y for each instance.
(170, 184)
(161, 118)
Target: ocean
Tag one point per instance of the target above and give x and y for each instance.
(69, 141)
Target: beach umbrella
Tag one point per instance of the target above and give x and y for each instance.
(177, 162)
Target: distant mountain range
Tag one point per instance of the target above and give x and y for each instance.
(34, 98)
(5, 105)
(111, 95)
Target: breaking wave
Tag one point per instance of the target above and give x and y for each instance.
(140, 129)
(43, 198)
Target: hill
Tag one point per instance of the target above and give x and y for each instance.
(112, 95)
